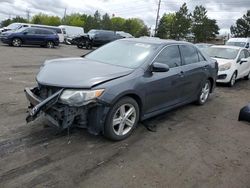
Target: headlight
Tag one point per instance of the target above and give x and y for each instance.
(225, 67)
(79, 97)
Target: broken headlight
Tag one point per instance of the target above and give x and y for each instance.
(79, 97)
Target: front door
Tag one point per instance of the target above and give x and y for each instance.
(163, 89)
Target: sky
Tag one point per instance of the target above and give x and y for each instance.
(226, 12)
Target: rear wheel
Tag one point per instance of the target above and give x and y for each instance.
(247, 77)
(204, 93)
(122, 119)
(16, 42)
(233, 80)
(50, 44)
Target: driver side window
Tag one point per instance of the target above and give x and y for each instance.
(170, 56)
(242, 55)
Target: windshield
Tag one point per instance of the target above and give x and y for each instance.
(123, 53)
(240, 44)
(13, 26)
(224, 53)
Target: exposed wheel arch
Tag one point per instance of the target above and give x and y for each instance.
(134, 96)
(212, 82)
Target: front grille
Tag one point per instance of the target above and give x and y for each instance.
(47, 91)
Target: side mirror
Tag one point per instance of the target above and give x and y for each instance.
(247, 46)
(243, 60)
(159, 67)
(25, 33)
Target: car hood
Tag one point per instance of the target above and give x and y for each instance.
(223, 61)
(78, 73)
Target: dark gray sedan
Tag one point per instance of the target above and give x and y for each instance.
(112, 88)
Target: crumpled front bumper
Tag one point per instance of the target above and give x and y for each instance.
(91, 116)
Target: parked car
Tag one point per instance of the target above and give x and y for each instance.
(203, 46)
(124, 34)
(82, 41)
(129, 80)
(31, 36)
(234, 63)
(101, 37)
(16, 26)
(240, 42)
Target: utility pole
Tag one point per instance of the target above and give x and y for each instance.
(64, 16)
(28, 15)
(157, 16)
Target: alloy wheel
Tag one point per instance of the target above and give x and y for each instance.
(205, 92)
(233, 80)
(16, 42)
(124, 119)
(50, 44)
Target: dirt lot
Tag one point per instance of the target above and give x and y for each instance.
(194, 146)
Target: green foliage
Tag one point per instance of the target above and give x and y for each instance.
(203, 28)
(133, 26)
(13, 20)
(45, 19)
(242, 27)
(178, 25)
(75, 19)
(106, 22)
(117, 23)
(166, 28)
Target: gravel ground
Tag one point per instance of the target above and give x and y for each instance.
(194, 146)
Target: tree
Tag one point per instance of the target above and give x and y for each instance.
(97, 20)
(75, 19)
(203, 28)
(166, 28)
(117, 23)
(134, 26)
(46, 20)
(182, 22)
(242, 28)
(106, 22)
(18, 19)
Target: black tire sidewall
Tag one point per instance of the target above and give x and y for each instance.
(108, 127)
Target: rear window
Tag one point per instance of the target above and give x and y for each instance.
(240, 44)
(189, 54)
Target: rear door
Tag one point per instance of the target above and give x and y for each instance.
(163, 89)
(195, 70)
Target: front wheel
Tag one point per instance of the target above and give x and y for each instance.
(247, 77)
(50, 44)
(204, 93)
(122, 119)
(16, 42)
(233, 79)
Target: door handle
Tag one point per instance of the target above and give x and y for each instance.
(181, 74)
(206, 67)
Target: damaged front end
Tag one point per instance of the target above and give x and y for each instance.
(61, 109)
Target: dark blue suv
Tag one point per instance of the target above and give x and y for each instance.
(31, 36)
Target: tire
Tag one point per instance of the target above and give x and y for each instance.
(50, 44)
(233, 80)
(119, 123)
(247, 77)
(204, 93)
(16, 42)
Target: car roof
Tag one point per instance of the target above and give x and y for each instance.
(238, 39)
(152, 40)
(227, 46)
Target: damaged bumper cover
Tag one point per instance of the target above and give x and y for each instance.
(91, 115)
